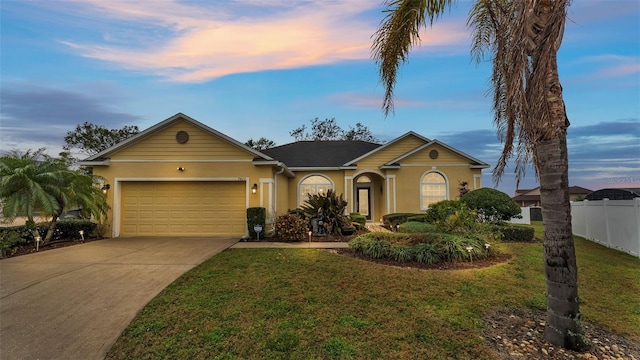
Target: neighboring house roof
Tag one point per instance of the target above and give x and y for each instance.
(614, 194)
(578, 190)
(534, 194)
(319, 154)
(105, 154)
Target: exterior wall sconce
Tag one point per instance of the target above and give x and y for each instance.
(254, 188)
(180, 168)
(380, 189)
(105, 188)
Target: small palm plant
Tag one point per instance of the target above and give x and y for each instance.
(333, 210)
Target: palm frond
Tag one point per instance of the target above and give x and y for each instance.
(398, 33)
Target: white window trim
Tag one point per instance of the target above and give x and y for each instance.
(333, 185)
(446, 186)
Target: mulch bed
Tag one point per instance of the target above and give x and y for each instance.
(30, 248)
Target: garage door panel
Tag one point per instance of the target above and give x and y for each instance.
(183, 208)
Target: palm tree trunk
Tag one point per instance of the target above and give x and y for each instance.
(563, 326)
(51, 229)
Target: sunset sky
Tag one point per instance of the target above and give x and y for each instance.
(253, 68)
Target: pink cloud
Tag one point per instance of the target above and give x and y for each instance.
(207, 43)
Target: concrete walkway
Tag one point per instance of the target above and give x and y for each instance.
(73, 302)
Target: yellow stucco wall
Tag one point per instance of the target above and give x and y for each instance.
(390, 152)
(204, 157)
(209, 157)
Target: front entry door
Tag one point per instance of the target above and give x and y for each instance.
(364, 201)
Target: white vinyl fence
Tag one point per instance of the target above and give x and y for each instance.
(612, 223)
(526, 217)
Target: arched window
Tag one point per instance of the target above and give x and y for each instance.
(314, 184)
(363, 179)
(433, 188)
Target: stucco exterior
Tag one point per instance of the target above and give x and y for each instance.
(181, 151)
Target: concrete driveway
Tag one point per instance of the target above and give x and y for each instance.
(73, 302)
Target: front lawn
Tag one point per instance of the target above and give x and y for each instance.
(310, 304)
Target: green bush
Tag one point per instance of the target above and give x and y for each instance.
(457, 248)
(426, 253)
(463, 221)
(377, 249)
(426, 248)
(70, 229)
(416, 227)
(517, 233)
(10, 241)
(359, 219)
(492, 205)
(394, 219)
(441, 210)
(401, 253)
(256, 216)
(418, 218)
(290, 227)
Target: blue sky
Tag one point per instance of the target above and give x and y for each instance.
(252, 68)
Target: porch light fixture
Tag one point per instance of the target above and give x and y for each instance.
(180, 168)
(105, 188)
(254, 188)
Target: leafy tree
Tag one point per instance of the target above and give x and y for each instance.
(260, 144)
(493, 205)
(328, 129)
(360, 132)
(90, 139)
(522, 37)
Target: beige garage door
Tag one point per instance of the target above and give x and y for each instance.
(183, 208)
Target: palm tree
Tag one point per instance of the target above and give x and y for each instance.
(522, 38)
(32, 182)
(26, 185)
(77, 190)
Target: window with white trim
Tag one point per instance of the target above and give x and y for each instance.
(433, 188)
(314, 185)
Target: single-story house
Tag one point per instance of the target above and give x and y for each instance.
(531, 197)
(181, 177)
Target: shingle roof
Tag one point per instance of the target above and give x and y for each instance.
(333, 153)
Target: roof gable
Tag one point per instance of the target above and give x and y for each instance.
(391, 149)
(442, 146)
(168, 124)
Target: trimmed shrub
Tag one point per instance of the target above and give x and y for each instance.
(493, 205)
(417, 218)
(517, 233)
(70, 229)
(397, 218)
(359, 219)
(416, 227)
(290, 227)
(256, 216)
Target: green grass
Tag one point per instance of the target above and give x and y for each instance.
(313, 304)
